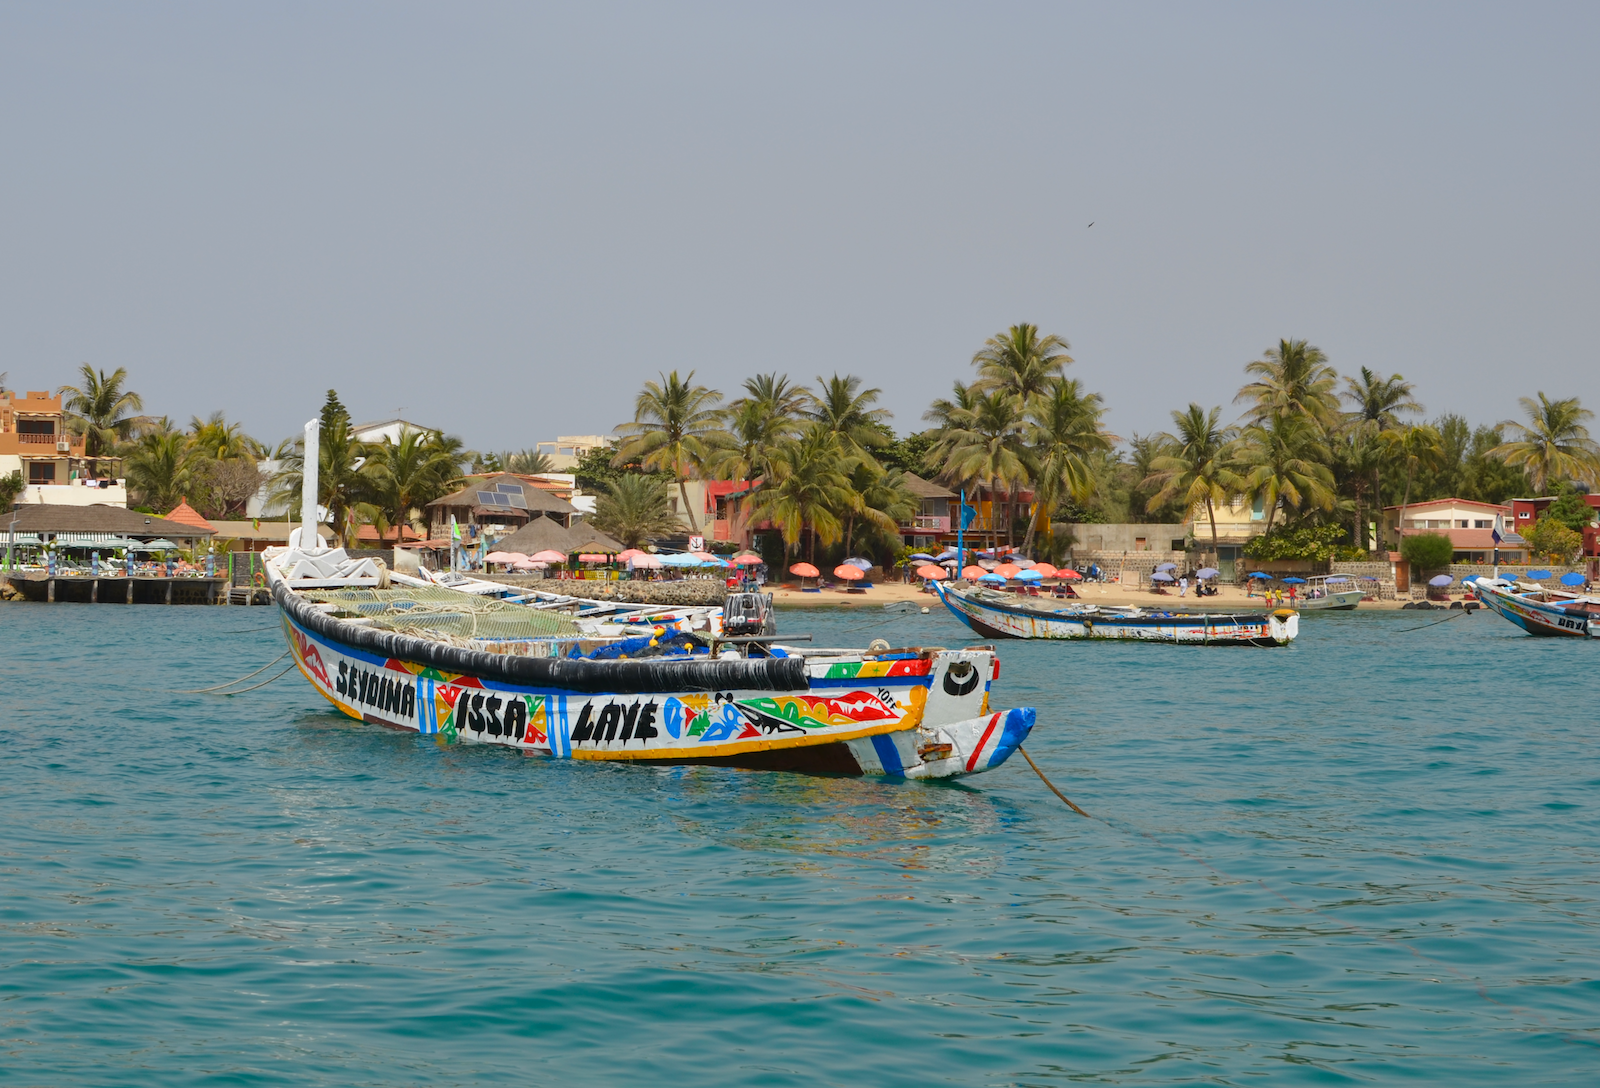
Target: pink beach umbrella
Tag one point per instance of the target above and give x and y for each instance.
(646, 561)
(549, 555)
(624, 556)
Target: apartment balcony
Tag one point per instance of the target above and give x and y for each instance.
(926, 524)
(26, 439)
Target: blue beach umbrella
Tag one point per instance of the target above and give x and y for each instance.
(1539, 575)
(1030, 576)
(993, 579)
(948, 553)
(1207, 572)
(1572, 578)
(1259, 574)
(863, 564)
(1161, 576)
(1294, 581)
(1166, 566)
(924, 556)
(1440, 580)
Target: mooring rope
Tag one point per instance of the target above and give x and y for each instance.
(264, 683)
(1435, 623)
(1051, 784)
(230, 683)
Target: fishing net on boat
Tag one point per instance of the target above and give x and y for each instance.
(445, 615)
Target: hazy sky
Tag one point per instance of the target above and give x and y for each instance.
(505, 218)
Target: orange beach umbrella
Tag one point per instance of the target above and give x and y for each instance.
(804, 570)
(973, 572)
(848, 573)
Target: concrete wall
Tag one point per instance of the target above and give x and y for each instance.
(1158, 537)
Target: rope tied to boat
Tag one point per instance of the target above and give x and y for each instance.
(1435, 623)
(217, 688)
(1051, 784)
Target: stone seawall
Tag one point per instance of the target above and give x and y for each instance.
(690, 591)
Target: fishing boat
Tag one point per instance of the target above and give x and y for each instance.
(1540, 611)
(1004, 615)
(1329, 593)
(476, 669)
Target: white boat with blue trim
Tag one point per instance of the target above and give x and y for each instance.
(1538, 610)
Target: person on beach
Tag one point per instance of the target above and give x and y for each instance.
(1183, 586)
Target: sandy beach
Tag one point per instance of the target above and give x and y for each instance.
(1228, 598)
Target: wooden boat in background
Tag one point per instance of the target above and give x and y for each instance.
(1005, 615)
(1329, 593)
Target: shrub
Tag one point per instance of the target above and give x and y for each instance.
(1427, 551)
(1553, 540)
(1570, 510)
(1315, 542)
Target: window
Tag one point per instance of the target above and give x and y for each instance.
(1461, 524)
(35, 426)
(1256, 511)
(41, 472)
(1482, 524)
(1522, 514)
(1139, 544)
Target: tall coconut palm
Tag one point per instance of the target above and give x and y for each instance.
(846, 410)
(674, 428)
(1284, 461)
(405, 476)
(808, 488)
(1197, 469)
(1416, 447)
(102, 407)
(1553, 445)
(879, 501)
(1063, 433)
(158, 467)
(1021, 362)
(755, 426)
(216, 438)
(1292, 378)
(776, 394)
(1376, 405)
(945, 414)
(634, 510)
(527, 462)
(984, 446)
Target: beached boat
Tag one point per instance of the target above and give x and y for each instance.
(1005, 615)
(1328, 593)
(1540, 611)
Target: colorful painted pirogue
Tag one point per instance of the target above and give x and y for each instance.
(1540, 611)
(1005, 615)
(441, 662)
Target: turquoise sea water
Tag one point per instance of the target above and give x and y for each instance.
(1368, 858)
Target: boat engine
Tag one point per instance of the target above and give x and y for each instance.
(748, 614)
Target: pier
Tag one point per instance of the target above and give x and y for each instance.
(117, 589)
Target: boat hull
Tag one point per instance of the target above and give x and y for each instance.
(911, 714)
(997, 619)
(1536, 617)
(1333, 602)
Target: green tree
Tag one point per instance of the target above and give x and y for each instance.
(1062, 435)
(675, 427)
(879, 500)
(527, 462)
(634, 510)
(11, 485)
(1415, 447)
(846, 410)
(159, 466)
(1427, 551)
(1197, 470)
(101, 407)
(403, 477)
(1554, 444)
(1487, 478)
(1293, 378)
(345, 473)
(1553, 540)
(1570, 509)
(1376, 405)
(1021, 362)
(1284, 461)
(808, 489)
(984, 447)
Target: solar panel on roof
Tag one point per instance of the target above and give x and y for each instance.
(518, 501)
(509, 489)
(489, 498)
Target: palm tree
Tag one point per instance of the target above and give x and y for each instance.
(846, 410)
(218, 439)
(984, 445)
(101, 407)
(1554, 444)
(775, 393)
(674, 427)
(158, 468)
(1293, 377)
(1063, 431)
(1376, 406)
(1021, 362)
(406, 476)
(945, 414)
(527, 462)
(634, 509)
(1419, 447)
(1197, 469)
(1284, 460)
(879, 498)
(756, 425)
(808, 488)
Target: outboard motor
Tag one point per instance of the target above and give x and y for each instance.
(748, 614)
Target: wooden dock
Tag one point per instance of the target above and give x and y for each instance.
(88, 589)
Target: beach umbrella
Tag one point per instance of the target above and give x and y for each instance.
(849, 572)
(1294, 581)
(679, 559)
(501, 557)
(549, 555)
(1030, 576)
(1166, 566)
(932, 572)
(1440, 580)
(1161, 576)
(804, 570)
(924, 556)
(1539, 575)
(948, 553)
(1259, 574)
(748, 559)
(1207, 572)
(863, 564)
(1010, 570)
(1023, 563)
(1045, 570)
(702, 555)
(624, 556)
(973, 572)
(529, 564)
(988, 564)
(1069, 574)
(167, 546)
(1572, 578)
(993, 579)
(644, 561)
